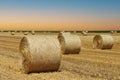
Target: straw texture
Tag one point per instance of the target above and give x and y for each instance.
(70, 44)
(103, 42)
(41, 53)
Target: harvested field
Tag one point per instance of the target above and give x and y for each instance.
(90, 64)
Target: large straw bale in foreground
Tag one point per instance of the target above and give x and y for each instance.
(41, 53)
(103, 42)
(70, 44)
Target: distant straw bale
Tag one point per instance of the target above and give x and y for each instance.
(33, 32)
(113, 32)
(25, 33)
(70, 44)
(12, 33)
(84, 33)
(103, 42)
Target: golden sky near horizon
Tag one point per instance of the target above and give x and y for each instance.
(60, 15)
(58, 23)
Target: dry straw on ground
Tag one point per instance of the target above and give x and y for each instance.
(70, 44)
(41, 53)
(103, 42)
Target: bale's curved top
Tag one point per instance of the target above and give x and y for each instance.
(103, 42)
(41, 53)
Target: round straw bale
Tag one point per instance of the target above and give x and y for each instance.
(103, 42)
(70, 44)
(33, 32)
(112, 32)
(25, 33)
(84, 33)
(41, 53)
(12, 33)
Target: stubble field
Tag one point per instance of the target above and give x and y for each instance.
(90, 64)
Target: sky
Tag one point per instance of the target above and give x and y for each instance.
(60, 14)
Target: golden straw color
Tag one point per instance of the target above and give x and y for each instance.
(103, 42)
(70, 44)
(41, 53)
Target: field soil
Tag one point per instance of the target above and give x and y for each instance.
(89, 64)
